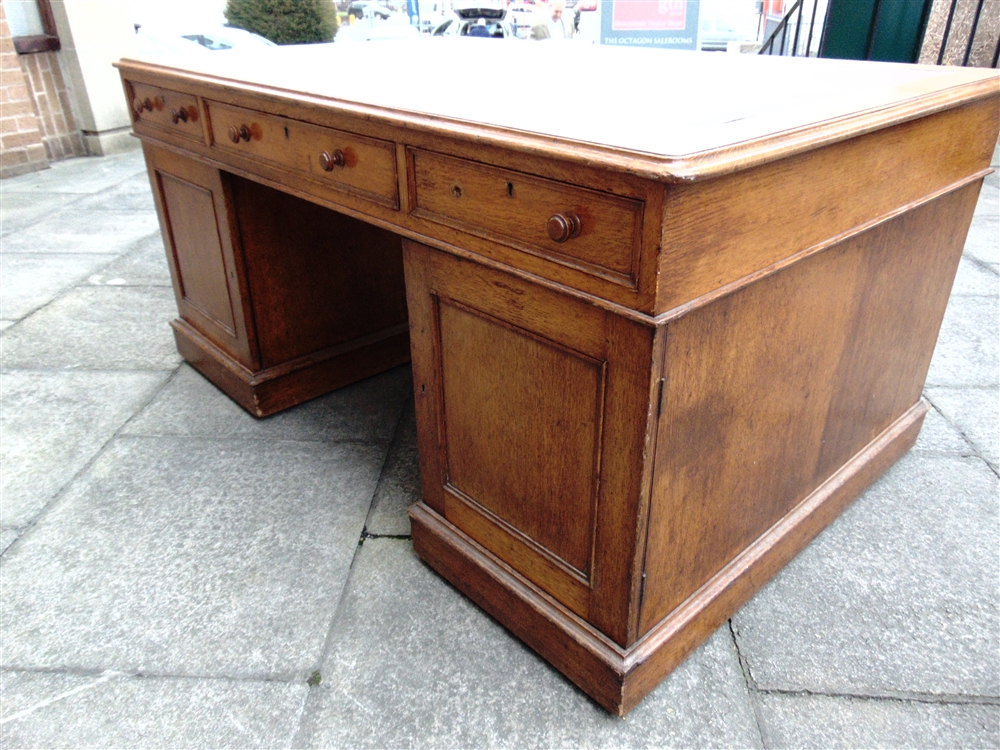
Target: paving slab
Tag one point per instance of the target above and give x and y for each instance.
(823, 723)
(983, 242)
(101, 328)
(413, 663)
(74, 230)
(144, 265)
(109, 710)
(85, 174)
(399, 485)
(184, 557)
(939, 436)
(976, 412)
(989, 200)
(132, 194)
(900, 596)
(29, 281)
(53, 423)
(191, 405)
(968, 347)
(20, 210)
(977, 278)
(7, 538)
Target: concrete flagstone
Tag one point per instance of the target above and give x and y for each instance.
(104, 328)
(7, 538)
(144, 265)
(983, 242)
(938, 436)
(413, 663)
(191, 405)
(20, 210)
(825, 723)
(976, 278)
(85, 175)
(181, 557)
(74, 230)
(989, 198)
(968, 347)
(28, 282)
(53, 423)
(900, 596)
(399, 485)
(114, 710)
(132, 194)
(976, 412)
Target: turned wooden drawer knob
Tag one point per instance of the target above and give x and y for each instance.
(179, 115)
(328, 161)
(242, 133)
(564, 226)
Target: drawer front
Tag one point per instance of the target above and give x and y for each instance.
(586, 229)
(345, 161)
(163, 110)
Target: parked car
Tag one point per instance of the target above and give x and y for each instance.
(362, 9)
(158, 40)
(487, 22)
(396, 28)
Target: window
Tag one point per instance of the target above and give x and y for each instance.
(32, 25)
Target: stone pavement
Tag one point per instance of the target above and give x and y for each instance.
(174, 572)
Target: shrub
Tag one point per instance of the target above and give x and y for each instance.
(285, 21)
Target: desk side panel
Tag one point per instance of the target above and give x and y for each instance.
(722, 233)
(771, 390)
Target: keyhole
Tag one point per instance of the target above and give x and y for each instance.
(510, 189)
(286, 131)
(456, 191)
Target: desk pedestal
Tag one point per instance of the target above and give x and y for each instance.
(612, 490)
(280, 300)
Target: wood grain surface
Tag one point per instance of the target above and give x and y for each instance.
(689, 114)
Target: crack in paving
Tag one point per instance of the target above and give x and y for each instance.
(752, 690)
(944, 699)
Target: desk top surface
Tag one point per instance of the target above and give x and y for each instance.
(669, 114)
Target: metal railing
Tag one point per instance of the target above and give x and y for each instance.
(782, 41)
(973, 30)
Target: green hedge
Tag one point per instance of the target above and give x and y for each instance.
(285, 21)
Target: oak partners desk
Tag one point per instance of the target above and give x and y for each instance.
(665, 322)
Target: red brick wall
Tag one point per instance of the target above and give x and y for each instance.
(52, 105)
(21, 147)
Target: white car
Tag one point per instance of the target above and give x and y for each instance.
(158, 40)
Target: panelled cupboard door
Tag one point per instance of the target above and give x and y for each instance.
(532, 413)
(202, 249)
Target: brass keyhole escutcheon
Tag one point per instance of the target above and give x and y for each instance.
(329, 160)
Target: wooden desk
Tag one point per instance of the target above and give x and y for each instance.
(662, 331)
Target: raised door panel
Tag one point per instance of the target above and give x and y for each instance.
(194, 217)
(535, 475)
(533, 410)
(201, 270)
